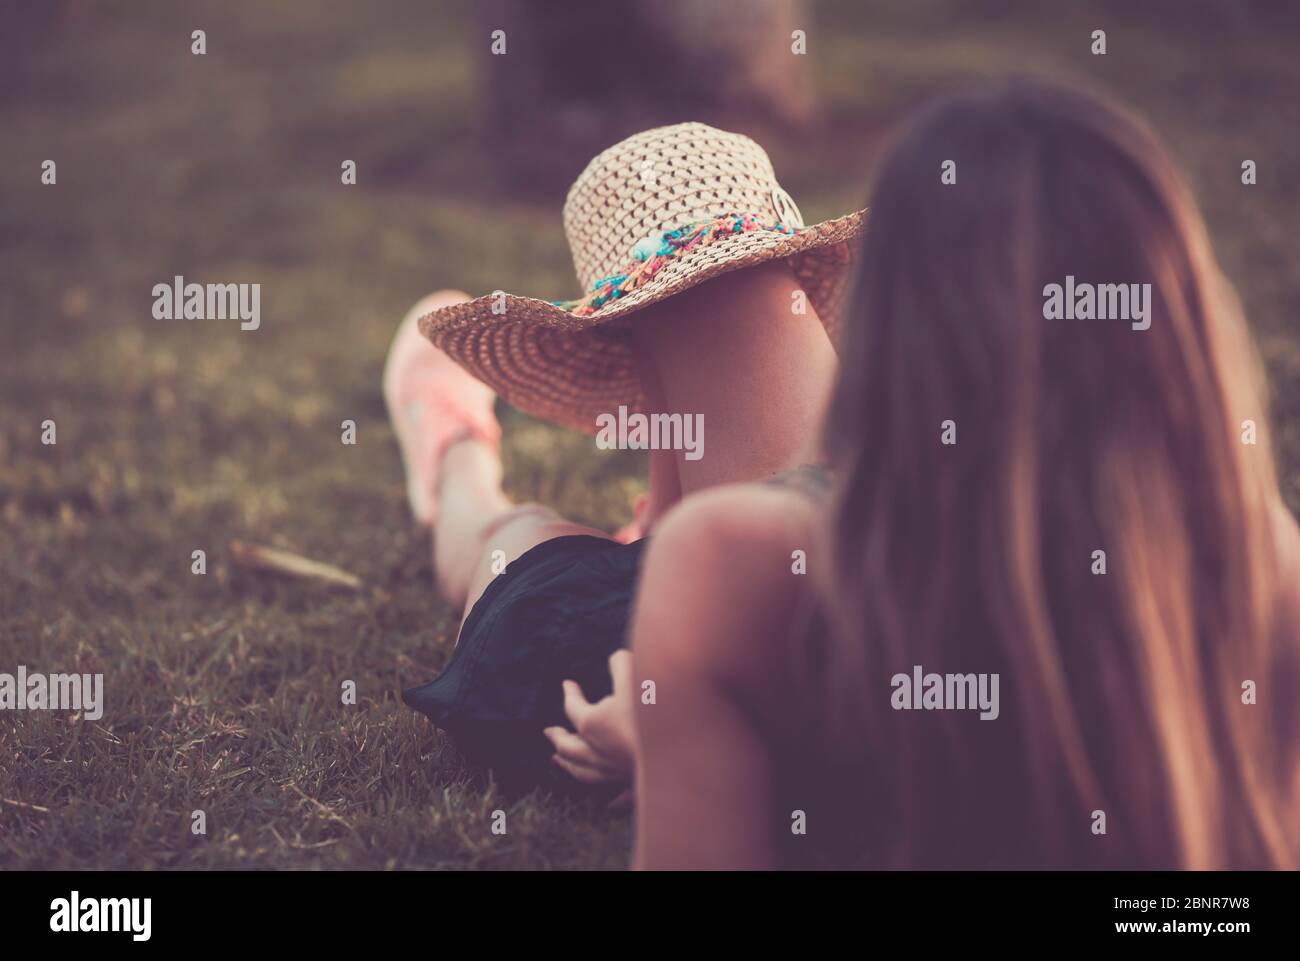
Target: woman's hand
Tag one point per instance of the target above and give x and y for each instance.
(603, 749)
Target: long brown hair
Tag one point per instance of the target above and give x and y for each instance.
(1121, 692)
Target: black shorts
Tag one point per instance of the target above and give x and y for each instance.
(556, 613)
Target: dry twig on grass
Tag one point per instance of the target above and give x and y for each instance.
(255, 557)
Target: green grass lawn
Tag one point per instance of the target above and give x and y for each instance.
(223, 690)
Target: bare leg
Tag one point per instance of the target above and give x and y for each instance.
(478, 530)
(449, 439)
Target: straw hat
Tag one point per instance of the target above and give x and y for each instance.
(652, 216)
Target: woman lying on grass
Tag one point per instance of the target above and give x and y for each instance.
(1084, 509)
(705, 302)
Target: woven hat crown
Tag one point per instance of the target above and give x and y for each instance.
(662, 179)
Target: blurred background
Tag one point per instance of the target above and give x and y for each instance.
(223, 689)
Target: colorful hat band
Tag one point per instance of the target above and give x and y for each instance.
(651, 253)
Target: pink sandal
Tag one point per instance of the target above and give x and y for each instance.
(433, 402)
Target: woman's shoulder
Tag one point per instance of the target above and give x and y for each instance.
(747, 526)
(733, 559)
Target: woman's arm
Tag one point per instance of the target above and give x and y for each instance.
(711, 608)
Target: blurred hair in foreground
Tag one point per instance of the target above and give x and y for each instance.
(1122, 692)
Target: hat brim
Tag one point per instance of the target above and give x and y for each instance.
(569, 369)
